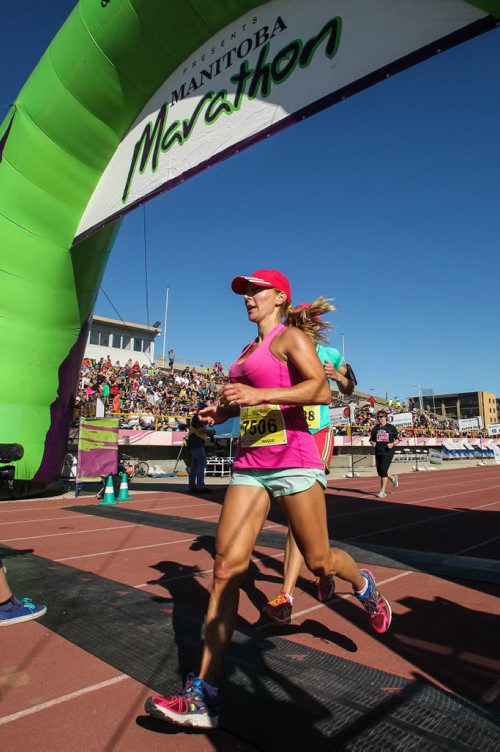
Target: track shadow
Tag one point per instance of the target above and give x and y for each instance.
(454, 646)
(360, 491)
(11, 553)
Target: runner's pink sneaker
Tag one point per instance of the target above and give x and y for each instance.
(193, 706)
(279, 609)
(377, 607)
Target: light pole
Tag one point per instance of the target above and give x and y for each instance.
(165, 327)
(421, 404)
(420, 400)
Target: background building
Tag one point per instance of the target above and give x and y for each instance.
(463, 405)
(121, 340)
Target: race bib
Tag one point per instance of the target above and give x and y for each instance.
(262, 425)
(312, 414)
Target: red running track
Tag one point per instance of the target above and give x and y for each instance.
(443, 631)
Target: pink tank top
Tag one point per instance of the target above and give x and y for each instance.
(272, 436)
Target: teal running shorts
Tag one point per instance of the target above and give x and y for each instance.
(283, 482)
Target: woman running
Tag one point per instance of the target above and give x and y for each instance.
(383, 438)
(275, 375)
(307, 316)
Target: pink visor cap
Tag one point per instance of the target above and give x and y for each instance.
(263, 278)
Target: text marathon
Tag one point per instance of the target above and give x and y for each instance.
(159, 137)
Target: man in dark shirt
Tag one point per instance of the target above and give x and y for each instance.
(197, 436)
(384, 437)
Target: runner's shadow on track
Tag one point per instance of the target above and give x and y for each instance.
(342, 491)
(188, 603)
(452, 644)
(256, 686)
(309, 627)
(161, 486)
(204, 543)
(10, 553)
(259, 600)
(449, 643)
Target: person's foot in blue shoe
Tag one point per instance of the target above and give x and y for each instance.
(16, 611)
(196, 705)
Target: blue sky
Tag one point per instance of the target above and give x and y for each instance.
(387, 202)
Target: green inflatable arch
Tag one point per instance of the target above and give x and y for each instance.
(98, 74)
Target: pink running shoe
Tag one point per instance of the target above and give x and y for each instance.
(279, 609)
(377, 607)
(325, 588)
(192, 706)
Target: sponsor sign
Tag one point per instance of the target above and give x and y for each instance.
(494, 429)
(470, 424)
(339, 416)
(401, 420)
(275, 65)
(496, 454)
(435, 456)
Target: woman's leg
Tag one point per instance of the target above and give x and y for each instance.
(12, 610)
(385, 463)
(279, 609)
(293, 564)
(243, 514)
(5, 591)
(306, 513)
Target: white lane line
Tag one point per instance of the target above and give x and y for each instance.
(73, 532)
(483, 506)
(39, 509)
(376, 508)
(409, 524)
(161, 582)
(406, 524)
(46, 519)
(479, 545)
(448, 496)
(404, 486)
(184, 506)
(82, 515)
(254, 559)
(125, 550)
(61, 699)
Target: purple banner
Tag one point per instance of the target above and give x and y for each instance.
(97, 447)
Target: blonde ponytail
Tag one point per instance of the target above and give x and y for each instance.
(308, 318)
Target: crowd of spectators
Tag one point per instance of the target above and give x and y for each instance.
(152, 398)
(147, 397)
(424, 423)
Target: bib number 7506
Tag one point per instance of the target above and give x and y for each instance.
(262, 425)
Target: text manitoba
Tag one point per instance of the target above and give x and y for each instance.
(159, 137)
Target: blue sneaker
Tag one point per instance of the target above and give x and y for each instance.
(16, 611)
(377, 607)
(192, 706)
